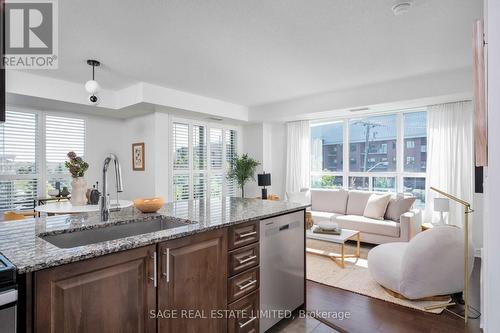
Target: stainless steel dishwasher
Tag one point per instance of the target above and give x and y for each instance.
(282, 255)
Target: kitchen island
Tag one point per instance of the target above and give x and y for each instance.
(199, 262)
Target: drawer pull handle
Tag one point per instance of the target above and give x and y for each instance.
(247, 285)
(247, 259)
(247, 322)
(248, 234)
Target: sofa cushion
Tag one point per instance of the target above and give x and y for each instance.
(368, 225)
(357, 202)
(302, 197)
(333, 201)
(398, 206)
(376, 206)
(318, 216)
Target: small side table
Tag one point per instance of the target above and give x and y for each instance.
(426, 226)
(309, 220)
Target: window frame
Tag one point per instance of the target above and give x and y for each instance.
(208, 172)
(399, 173)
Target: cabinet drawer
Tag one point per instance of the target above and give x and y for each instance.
(243, 234)
(242, 259)
(243, 284)
(246, 315)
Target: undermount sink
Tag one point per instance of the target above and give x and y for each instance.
(103, 234)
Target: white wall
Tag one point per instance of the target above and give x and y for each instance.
(253, 145)
(138, 183)
(278, 152)
(491, 249)
(266, 143)
(103, 137)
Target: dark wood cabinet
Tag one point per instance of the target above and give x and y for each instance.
(246, 319)
(112, 293)
(193, 277)
(243, 234)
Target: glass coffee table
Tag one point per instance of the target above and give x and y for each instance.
(345, 235)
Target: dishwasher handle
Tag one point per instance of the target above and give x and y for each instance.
(7, 297)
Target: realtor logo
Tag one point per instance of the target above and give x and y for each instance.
(30, 35)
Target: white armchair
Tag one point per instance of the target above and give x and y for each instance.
(430, 264)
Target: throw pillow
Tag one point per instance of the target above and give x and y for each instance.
(397, 207)
(376, 206)
(298, 197)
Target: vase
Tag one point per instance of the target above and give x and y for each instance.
(78, 191)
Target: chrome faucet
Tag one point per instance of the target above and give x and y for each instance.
(119, 187)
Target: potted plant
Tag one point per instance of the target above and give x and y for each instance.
(77, 167)
(242, 170)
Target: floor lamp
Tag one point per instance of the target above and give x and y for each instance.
(467, 211)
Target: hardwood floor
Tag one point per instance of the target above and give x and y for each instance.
(376, 316)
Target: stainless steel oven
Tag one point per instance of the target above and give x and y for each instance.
(8, 296)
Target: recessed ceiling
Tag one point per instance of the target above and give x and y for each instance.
(256, 52)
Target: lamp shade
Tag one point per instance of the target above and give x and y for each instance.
(92, 87)
(441, 205)
(264, 179)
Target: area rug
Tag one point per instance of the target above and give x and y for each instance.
(355, 276)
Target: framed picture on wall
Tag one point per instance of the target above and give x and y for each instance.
(138, 156)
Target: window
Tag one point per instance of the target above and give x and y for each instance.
(26, 173)
(372, 136)
(415, 186)
(415, 135)
(384, 184)
(62, 135)
(386, 153)
(359, 183)
(326, 181)
(202, 155)
(327, 156)
(231, 142)
(18, 161)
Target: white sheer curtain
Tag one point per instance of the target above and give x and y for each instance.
(450, 157)
(297, 155)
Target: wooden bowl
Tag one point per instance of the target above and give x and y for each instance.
(148, 205)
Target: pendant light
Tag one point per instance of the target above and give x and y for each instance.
(92, 86)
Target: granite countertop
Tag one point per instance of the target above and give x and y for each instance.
(21, 244)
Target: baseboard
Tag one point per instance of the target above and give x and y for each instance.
(478, 252)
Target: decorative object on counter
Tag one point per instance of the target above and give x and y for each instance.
(92, 86)
(148, 205)
(242, 170)
(77, 167)
(64, 193)
(264, 180)
(138, 156)
(53, 193)
(93, 194)
(273, 197)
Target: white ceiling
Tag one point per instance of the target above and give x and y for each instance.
(255, 52)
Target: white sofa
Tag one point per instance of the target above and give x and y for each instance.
(347, 207)
(431, 264)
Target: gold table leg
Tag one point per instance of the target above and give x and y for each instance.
(358, 246)
(342, 256)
